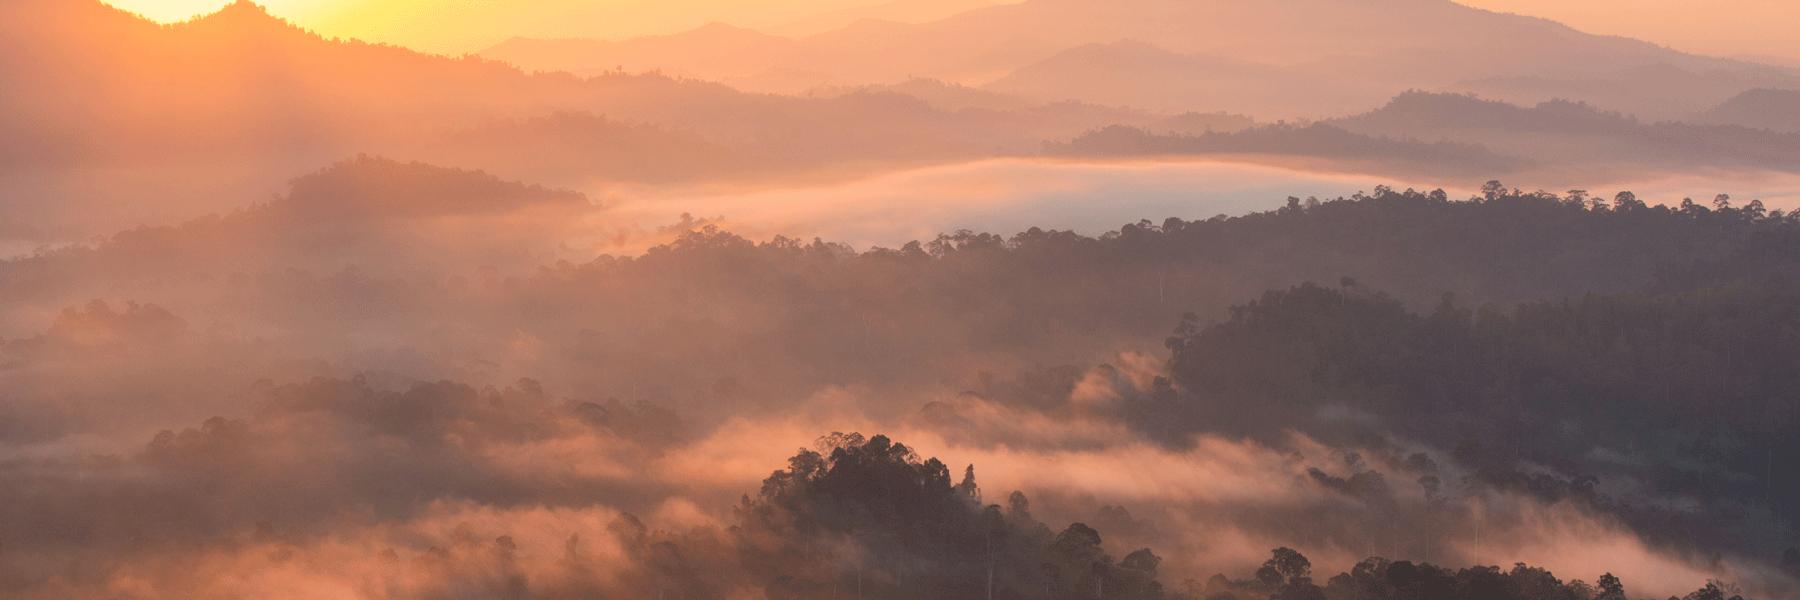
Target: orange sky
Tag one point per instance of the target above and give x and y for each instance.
(459, 26)
(1761, 28)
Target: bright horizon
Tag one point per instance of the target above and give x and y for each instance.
(1754, 29)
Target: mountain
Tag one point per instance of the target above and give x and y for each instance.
(948, 96)
(146, 123)
(242, 81)
(1373, 49)
(1659, 90)
(1773, 109)
(130, 122)
(126, 122)
(1429, 134)
(1196, 123)
(105, 84)
(243, 78)
(1426, 114)
(1317, 146)
(1409, 39)
(1575, 135)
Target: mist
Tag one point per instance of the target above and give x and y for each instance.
(1140, 300)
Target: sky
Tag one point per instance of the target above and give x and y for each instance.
(465, 26)
(1743, 28)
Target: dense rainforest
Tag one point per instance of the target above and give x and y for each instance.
(1396, 374)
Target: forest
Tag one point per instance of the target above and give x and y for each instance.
(1506, 369)
(735, 299)
(867, 518)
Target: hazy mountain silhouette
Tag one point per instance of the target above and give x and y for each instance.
(1407, 43)
(418, 274)
(1193, 123)
(941, 94)
(1773, 109)
(1659, 90)
(1370, 50)
(266, 86)
(1568, 134)
(1426, 113)
(348, 213)
(1431, 134)
(1315, 145)
(239, 80)
(239, 100)
(129, 122)
(427, 376)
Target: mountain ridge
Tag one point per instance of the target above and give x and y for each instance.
(1337, 43)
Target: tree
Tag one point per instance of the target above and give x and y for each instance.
(1755, 209)
(872, 514)
(1493, 190)
(1136, 575)
(1077, 562)
(1610, 588)
(1018, 507)
(1625, 201)
(1576, 198)
(1284, 566)
(967, 487)
(1712, 591)
(1693, 209)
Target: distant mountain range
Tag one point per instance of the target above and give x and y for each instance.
(1773, 109)
(1579, 135)
(116, 115)
(1287, 58)
(199, 114)
(88, 83)
(1437, 135)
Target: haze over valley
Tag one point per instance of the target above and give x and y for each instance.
(931, 299)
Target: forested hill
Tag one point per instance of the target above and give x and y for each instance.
(1044, 285)
(1687, 394)
(1049, 297)
(1606, 361)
